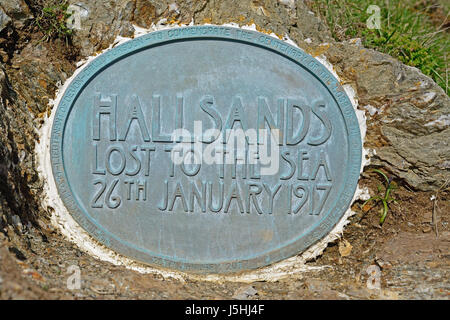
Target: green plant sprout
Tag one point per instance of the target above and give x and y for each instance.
(386, 199)
(52, 20)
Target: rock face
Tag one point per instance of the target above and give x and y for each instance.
(16, 11)
(102, 22)
(16, 160)
(407, 124)
(408, 114)
(4, 19)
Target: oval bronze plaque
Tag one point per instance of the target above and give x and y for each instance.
(206, 149)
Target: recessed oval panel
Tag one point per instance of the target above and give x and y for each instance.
(206, 149)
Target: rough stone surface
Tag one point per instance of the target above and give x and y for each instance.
(409, 124)
(16, 158)
(4, 19)
(408, 127)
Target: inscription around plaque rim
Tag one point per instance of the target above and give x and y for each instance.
(206, 149)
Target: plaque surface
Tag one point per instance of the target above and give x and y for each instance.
(206, 149)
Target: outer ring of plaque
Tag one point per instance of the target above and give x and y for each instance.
(227, 34)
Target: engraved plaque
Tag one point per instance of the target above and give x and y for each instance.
(206, 149)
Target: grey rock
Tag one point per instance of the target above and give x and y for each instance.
(288, 3)
(409, 125)
(419, 160)
(4, 19)
(316, 285)
(16, 222)
(17, 10)
(245, 293)
(103, 21)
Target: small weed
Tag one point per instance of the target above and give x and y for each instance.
(385, 199)
(52, 20)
